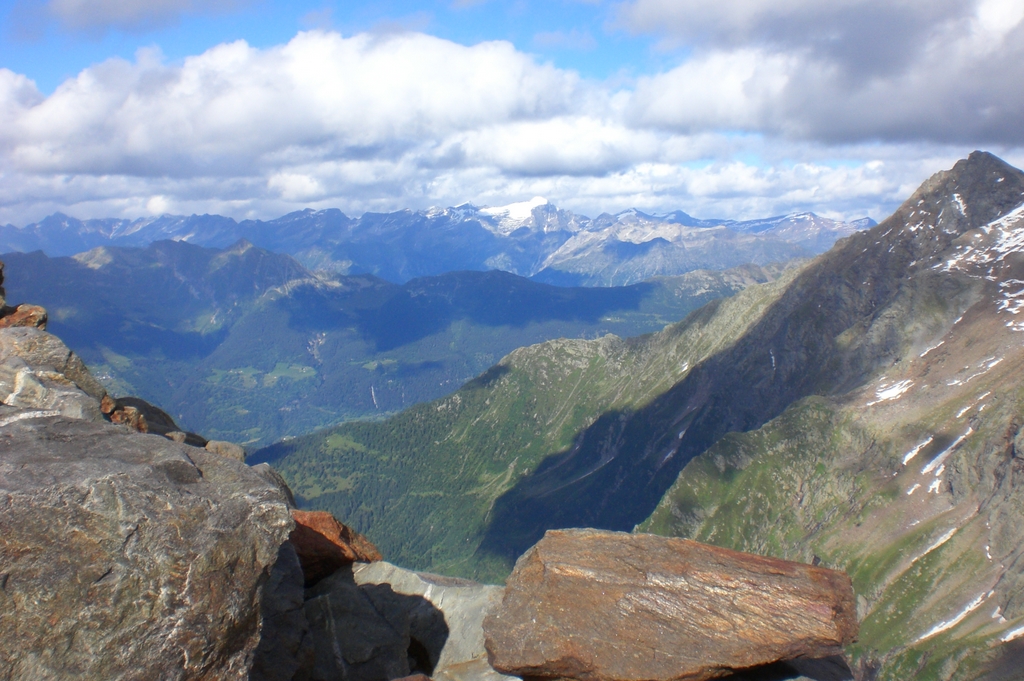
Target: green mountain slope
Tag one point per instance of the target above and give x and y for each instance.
(425, 483)
(247, 345)
(803, 401)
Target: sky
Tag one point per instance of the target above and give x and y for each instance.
(721, 108)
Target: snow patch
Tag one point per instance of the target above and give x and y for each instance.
(522, 210)
(941, 458)
(1009, 636)
(934, 487)
(894, 391)
(914, 452)
(960, 204)
(934, 347)
(960, 617)
(913, 489)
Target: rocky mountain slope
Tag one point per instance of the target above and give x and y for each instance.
(250, 346)
(863, 410)
(530, 239)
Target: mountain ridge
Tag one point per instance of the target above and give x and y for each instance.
(533, 239)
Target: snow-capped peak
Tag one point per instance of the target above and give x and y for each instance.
(519, 212)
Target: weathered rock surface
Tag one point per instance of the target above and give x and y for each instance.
(375, 622)
(268, 473)
(127, 556)
(37, 371)
(228, 449)
(39, 349)
(325, 545)
(594, 605)
(464, 605)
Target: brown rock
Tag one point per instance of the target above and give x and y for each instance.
(324, 545)
(414, 677)
(24, 315)
(108, 404)
(612, 606)
(130, 416)
(137, 413)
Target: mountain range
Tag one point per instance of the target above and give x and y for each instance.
(250, 346)
(863, 411)
(532, 239)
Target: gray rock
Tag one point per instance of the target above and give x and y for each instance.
(464, 605)
(44, 388)
(228, 449)
(37, 371)
(268, 473)
(39, 349)
(285, 651)
(128, 556)
(369, 632)
(375, 621)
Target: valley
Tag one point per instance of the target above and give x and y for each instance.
(250, 346)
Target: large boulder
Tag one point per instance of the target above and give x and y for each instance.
(370, 632)
(128, 556)
(611, 606)
(39, 349)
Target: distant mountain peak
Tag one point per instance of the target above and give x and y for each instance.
(521, 211)
(239, 247)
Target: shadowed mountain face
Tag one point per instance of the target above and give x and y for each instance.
(864, 410)
(555, 246)
(249, 346)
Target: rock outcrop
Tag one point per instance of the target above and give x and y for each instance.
(24, 315)
(464, 605)
(374, 622)
(324, 545)
(37, 371)
(127, 556)
(592, 605)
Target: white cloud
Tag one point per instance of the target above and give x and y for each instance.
(940, 70)
(236, 109)
(388, 121)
